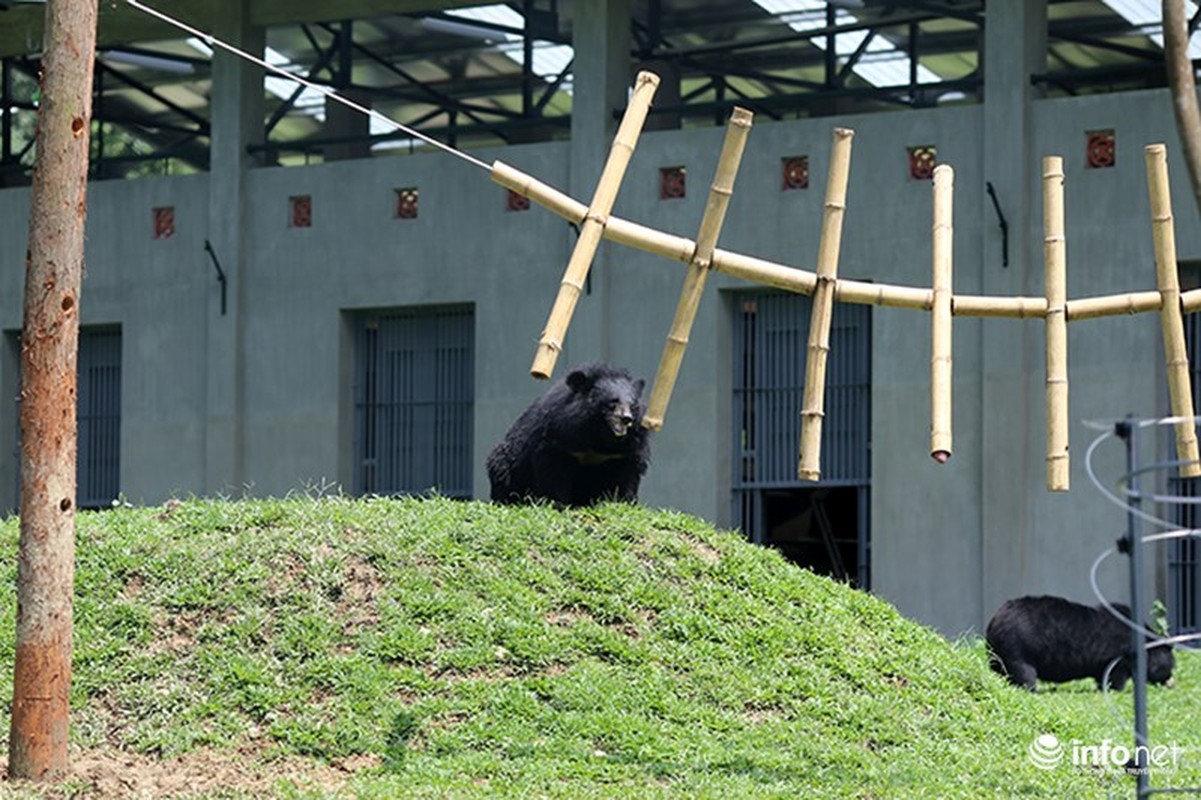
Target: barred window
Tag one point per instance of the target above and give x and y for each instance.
(414, 401)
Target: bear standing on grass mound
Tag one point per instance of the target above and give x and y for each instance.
(579, 443)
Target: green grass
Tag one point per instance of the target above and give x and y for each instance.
(448, 649)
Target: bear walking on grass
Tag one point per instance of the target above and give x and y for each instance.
(579, 443)
(1053, 639)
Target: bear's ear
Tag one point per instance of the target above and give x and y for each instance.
(579, 381)
(639, 385)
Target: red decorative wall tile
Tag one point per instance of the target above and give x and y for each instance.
(164, 222)
(922, 161)
(406, 203)
(302, 211)
(516, 202)
(671, 183)
(1101, 149)
(796, 173)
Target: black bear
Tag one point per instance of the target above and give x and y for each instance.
(1054, 639)
(580, 442)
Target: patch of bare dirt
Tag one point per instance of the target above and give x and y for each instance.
(110, 774)
(361, 584)
(707, 553)
(566, 616)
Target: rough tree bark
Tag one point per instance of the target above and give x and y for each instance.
(1184, 90)
(49, 342)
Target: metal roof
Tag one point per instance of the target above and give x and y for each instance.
(462, 72)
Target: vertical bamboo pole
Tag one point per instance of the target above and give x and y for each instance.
(1175, 352)
(1055, 258)
(698, 267)
(572, 285)
(940, 318)
(813, 400)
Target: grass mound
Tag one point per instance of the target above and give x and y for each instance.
(431, 648)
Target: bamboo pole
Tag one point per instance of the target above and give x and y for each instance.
(880, 294)
(813, 400)
(1170, 314)
(541, 193)
(940, 319)
(1113, 305)
(970, 305)
(1055, 257)
(698, 268)
(572, 285)
(677, 248)
(1190, 301)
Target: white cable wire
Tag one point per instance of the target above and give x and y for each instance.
(211, 40)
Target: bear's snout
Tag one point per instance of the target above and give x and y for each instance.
(620, 421)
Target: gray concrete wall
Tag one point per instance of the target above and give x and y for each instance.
(156, 291)
(463, 247)
(941, 553)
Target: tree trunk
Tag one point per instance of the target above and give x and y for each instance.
(49, 342)
(1184, 90)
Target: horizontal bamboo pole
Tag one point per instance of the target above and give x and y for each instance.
(1113, 305)
(969, 305)
(541, 193)
(1190, 301)
(879, 294)
(698, 269)
(1055, 279)
(551, 342)
(668, 245)
(943, 234)
(768, 273)
(1175, 351)
(813, 397)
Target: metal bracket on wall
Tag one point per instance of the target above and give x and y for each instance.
(208, 248)
(1003, 224)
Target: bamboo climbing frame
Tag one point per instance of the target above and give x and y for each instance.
(826, 288)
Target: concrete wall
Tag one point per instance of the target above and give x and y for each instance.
(155, 290)
(941, 552)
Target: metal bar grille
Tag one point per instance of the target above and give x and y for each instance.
(769, 346)
(98, 461)
(414, 401)
(98, 420)
(1184, 555)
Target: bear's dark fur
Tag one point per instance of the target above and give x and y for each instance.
(579, 443)
(1053, 639)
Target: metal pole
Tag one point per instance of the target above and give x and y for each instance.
(1128, 431)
